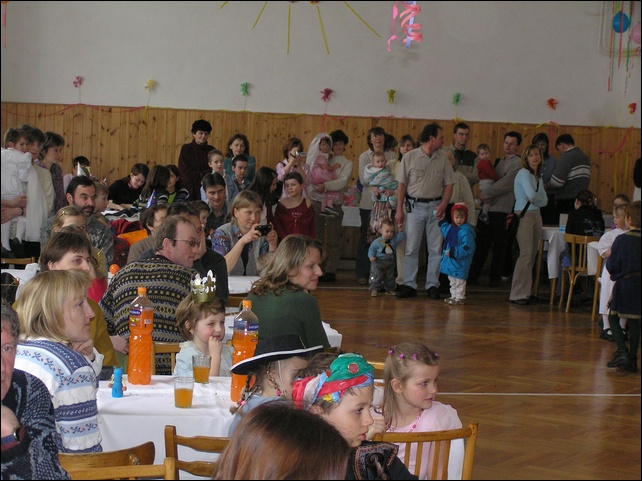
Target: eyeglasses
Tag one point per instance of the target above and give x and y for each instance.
(191, 242)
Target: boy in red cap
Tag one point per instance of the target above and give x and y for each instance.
(457, 252)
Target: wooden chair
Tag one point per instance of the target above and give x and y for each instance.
(170, 348)
(596, 291)
(167, 470)
(143, 454)
(235, 300)
(205, 444)
(21, 261)
(441, 450)
(578, 265)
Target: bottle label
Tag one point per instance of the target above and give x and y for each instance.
(253, 327)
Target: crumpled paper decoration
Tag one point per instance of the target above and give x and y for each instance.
(552, 103)
(326, 93)
(391, 96)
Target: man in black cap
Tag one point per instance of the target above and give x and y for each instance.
(192, 161)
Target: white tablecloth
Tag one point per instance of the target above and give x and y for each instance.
(555, 240)
(241, 284)
(555, 244)
(144, 410)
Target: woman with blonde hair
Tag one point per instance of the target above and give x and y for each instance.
(240, 241)
(281, 297)
(56, 347)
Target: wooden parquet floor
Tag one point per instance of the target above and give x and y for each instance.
(534, 377)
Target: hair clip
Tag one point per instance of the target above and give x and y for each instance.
(414, 357)
(402, 356)
(391, 351)
(436, 355)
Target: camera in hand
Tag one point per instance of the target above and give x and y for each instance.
(264, 229)
(301, 154)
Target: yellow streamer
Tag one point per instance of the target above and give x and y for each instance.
(289, 14)
(260, 13)
(359, 17)
(222, 5)
(325, 41)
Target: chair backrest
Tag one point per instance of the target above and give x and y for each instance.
(171, 348)
(579, 245)
(167, 470)
(143, 454)
(205, 444)
(441, 449)
(20, 261)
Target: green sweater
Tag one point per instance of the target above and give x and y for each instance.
(290, 313)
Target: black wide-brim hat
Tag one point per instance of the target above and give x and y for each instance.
(275, 348)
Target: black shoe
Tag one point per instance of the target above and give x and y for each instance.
(406, 291)
(493, 283)
(328, 277)
(399, 287)
(7, 254)
(520, 302)
(619, 358)
(631, 365)
(433, 292)
(606, 335)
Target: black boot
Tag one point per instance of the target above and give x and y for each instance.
(630, 366)
(619, 358)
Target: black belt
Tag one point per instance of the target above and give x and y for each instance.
(422, 200)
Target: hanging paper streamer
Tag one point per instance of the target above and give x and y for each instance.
(149, 87)
(245, 91)
(391, 96)
(623, 33)
(4, 24)
(325, 94)
(408, 25)
(359, 17)
(632, 107)
(78, 83)
(325, 40)
(552, 103)
(257, 18)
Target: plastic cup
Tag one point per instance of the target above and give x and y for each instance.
(183, 391)
(201, 366)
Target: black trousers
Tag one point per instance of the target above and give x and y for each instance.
(492, 238)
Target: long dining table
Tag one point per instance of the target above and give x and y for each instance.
(144, 410)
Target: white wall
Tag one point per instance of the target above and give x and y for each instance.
(505, 58)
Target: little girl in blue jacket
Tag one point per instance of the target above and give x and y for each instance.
(457, 252)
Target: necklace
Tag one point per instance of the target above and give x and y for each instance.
(414, 424)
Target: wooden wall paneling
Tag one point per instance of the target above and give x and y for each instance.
(115, 137)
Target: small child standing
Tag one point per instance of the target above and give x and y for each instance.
(487, 176)
(378, 175)
(237, 182)
(294, 213)
(202, 324)
(383, 259)
(410, 379)
(604, 250)
(16, 164)
(321, 172)
(216, 161)
(624, 266)
(457, 253)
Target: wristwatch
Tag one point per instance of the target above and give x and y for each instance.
(14, 438)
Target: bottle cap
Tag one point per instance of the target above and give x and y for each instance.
(142, 291)
(246, 304)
